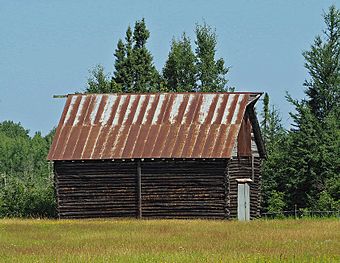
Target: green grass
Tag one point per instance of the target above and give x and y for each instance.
(128, 240)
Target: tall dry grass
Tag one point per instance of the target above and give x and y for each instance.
(169, 241)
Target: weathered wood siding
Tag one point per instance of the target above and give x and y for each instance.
(95, 189)
(185, 189)
(241, 167)
(169, 188)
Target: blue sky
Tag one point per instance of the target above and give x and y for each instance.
(47, 47)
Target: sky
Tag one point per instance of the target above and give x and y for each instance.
(48, 47)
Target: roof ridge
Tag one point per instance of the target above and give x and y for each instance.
(151, 93)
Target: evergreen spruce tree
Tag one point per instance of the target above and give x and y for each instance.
(123, 74)
(134, 69)
(120, 77)
(314, 140)
(128, 60)
(211, 73)
(146, 77)
(273, 169)
(323, 65)
(179, 71)
(313, 156)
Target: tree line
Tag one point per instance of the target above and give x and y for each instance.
(303, 164)
(26, 182)
(302, 168)
(185, 70)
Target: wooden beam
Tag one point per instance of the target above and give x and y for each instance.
(59, 96)
(252, 168)
(226, 191)
(257, 132)
(139, 190)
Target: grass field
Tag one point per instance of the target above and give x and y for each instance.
(305, 240)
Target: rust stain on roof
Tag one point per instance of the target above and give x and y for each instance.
(154, 125)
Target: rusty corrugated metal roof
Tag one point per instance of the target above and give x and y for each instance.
(159, 125)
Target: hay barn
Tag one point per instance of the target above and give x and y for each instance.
(158, 155)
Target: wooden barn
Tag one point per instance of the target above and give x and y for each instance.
(158, 155)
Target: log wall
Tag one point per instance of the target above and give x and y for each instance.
(241, 167)
(185, 189)
(169, 189)
(95, 189)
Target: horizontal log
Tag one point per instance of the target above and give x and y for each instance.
(173, 188)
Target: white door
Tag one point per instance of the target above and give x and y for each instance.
(243, 202)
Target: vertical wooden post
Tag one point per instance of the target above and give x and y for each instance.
(139, 190)
(252, 168)
(226, 191)
(56, 189)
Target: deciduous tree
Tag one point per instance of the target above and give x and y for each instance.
(180, 71)
(211, 73)
(99, 82)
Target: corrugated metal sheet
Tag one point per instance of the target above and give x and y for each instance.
(163, 125)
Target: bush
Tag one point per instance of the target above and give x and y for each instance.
(276, 203)
(27, 198)
(327, 203)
